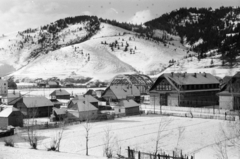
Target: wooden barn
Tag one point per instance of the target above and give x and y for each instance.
(60, 94)
(185, 89)
(82, 109)
(35, 106)
(229, 97)
(10, 116)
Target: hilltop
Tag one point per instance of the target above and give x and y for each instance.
(184, 40)
(86, 47)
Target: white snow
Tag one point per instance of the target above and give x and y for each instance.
(138, 132)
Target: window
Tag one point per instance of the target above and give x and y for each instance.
(164, 85)
(4, 84)
(119, 110)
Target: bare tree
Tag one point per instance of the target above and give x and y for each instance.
(180, 136)
(56, 140)
(32, 137)
(111, 144)
(87, 126)
(221, 150)
(221, 144)
(161, 134)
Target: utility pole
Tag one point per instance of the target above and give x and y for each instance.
(154, 103)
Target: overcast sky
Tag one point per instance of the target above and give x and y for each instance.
(17, 15)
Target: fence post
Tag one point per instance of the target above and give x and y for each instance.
(139, 155)
(159, 156)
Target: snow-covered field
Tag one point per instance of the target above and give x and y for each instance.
(139, 132)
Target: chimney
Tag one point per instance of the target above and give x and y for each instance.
(172, 74)
(195, 75)
(204, 74)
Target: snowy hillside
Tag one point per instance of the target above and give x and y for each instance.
(109, 51)
(211, 65)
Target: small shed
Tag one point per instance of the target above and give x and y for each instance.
(131, 107)
(59, 114)
(10, 116)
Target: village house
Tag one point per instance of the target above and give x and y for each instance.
(3, 87)
(60, 94)
(35, 106)
(52, 84)
(114, 94)
(229, 97)
(10, 116)
(185, 89)
(82, 108)
(11, 98)
(128, 86)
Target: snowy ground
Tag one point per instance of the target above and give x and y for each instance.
(140, 132)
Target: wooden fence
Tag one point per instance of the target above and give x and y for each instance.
(132, 154)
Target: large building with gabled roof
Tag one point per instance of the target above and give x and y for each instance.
(185, 89)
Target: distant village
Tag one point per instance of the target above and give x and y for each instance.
(127, 95)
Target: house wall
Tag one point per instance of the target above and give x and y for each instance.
(63, 97)
(226, 102)
(34, 112)
(3, 122)
(173, 100)
(15, 119)
(132, 110)
(3, 87)
(22, 108)
(75, 115)
(119, 110)
(155, 99)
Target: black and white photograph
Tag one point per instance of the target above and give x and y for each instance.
(120, 79)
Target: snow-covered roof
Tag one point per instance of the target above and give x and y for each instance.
(40, 101)
(191, 78)
(60, 92)
(128, 103)
(83, 106)
(122, 91)
(7, 111)
(61, 111)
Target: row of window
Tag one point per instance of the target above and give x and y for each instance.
(165, 86)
